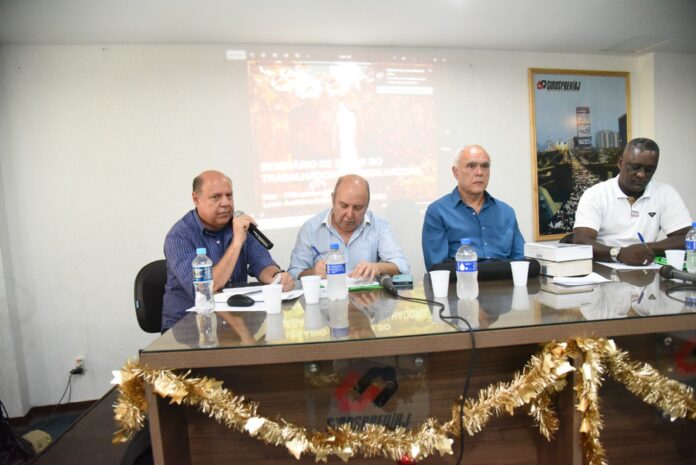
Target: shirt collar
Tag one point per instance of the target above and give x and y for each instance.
(457, 198)
(367, 219)
(205, 230)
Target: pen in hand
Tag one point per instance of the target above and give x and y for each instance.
(642, 241)
(316, 253)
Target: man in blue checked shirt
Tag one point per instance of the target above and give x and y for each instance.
(469, 211)
(367, 241)
(235, 254)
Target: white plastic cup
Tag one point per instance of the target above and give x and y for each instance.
(313, 317)
(675, 258)
(519, 272)
(310, 285)
(520, 298)
(440, 281)
(272, 296)
(274, 327)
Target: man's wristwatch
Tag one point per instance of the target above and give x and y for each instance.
(278, 271)
(614, 253)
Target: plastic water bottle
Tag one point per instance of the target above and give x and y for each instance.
(203, 282)
(336, 274)
(690, 246)
(467, 271)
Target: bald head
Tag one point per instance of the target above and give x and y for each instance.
(209, 175)
(350, 199)
(212, 195)
(353, 180)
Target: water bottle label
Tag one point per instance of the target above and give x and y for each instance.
(466, 266)
(202, 274)
(337, 268)
(690, 245)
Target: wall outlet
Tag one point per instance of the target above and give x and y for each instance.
(79, 367)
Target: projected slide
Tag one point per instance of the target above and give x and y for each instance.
(316, 120)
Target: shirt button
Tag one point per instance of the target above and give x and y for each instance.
(485, 243)
(218, 242)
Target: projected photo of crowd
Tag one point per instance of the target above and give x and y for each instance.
(581, 127)
(313, 121)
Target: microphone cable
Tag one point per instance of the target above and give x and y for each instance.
(689, 301)
(669, 272)
(388, 286)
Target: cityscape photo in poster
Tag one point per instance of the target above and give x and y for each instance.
(580, 129)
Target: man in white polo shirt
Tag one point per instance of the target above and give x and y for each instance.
(622, 217)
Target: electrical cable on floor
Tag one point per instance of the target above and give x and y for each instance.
(68, 389)
(388, 286)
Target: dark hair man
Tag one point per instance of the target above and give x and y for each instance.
(613, 215)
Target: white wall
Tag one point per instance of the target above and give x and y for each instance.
(98, 147)
(675, 123)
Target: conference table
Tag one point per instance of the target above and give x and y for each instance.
(375, 359)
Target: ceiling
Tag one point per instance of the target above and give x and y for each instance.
(562, 26)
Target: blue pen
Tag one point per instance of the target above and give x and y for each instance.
(316, 253)
(642, 241)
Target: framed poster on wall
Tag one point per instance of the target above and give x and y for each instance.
(580, 124)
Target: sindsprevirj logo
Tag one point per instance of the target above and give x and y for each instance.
(571, 86)
(359, 394)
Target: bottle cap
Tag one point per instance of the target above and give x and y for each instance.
(465, 241)
(201, 250)
(334, 246)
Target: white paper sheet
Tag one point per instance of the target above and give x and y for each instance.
(623, 266)
(592, 278)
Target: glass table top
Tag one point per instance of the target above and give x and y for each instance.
(374, 314)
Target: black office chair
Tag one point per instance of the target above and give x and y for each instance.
(149, 291)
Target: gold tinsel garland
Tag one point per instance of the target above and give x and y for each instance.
(543, 377)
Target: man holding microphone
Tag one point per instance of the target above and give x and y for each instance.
(213, 225)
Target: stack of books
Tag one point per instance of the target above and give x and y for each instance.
(559, 297)
(560, 259)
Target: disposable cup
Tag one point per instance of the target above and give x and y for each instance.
(675, 258)
(272, 296)
(440, 282)
(520, 298)
(310, 285)
(519, 272)
(314, 318)
(274, 327)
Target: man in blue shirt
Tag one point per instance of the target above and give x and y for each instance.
(368, 243)
(471, 212)
(234, 253)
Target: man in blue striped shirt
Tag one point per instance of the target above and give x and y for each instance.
(235, 254)
(368, 243)
(469, 211)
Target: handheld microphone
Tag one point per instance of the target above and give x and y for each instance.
(669, 272)
(254, 231)
(388, 285)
